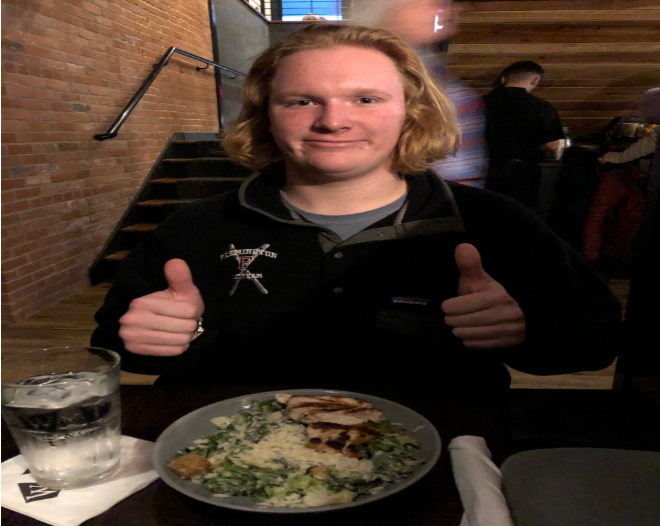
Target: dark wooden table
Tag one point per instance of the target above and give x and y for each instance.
(527, 419)
(148, 410)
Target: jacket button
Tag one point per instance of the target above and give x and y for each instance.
(339, 255)
(338, 290)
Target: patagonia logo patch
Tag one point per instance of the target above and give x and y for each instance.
(410, 301)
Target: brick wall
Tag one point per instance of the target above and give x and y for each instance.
(68, 68)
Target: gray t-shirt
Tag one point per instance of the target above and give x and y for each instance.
(348, 225)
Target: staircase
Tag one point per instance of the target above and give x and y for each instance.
(192, 166)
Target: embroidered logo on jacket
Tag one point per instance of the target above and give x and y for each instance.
(244, 257)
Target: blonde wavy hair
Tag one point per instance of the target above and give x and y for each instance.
(430, 130)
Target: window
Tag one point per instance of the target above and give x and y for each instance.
(294, 10)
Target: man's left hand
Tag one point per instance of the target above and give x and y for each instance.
(483, 315)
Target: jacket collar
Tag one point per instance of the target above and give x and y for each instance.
(430, 204)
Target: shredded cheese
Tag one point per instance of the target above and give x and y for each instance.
(288, 443)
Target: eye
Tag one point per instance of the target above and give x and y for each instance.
(367, 100)
(301, 102)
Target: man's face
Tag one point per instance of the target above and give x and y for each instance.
(337, 112)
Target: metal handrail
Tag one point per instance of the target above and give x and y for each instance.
(114, 129)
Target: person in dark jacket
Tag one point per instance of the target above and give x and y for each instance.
(343, 261)
(519, 126)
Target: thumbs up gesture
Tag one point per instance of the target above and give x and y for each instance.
(163, 323)
(483, 315)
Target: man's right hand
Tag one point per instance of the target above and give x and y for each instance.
(163, 323)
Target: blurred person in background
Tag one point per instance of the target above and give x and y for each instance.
(427, 25)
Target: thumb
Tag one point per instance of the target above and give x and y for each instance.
(179, 278)
(473, 277)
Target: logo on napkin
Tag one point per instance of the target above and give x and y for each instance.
(33, 492)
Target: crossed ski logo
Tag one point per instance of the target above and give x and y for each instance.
(244, 258)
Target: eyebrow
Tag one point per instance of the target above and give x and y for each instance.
(353, 92)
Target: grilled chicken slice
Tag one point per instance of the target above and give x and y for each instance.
(342, 433)
(342, 416)
(334, 409)
(296, 401)
(334, 423)
(327, 437)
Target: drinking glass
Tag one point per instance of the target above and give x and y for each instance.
(62, 407)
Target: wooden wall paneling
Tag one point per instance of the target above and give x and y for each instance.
(636, 85)
(599, 55)
(615, 16)
(557, 32)
(639, 75)
(543, 5)
(549, 58)
(573, 47)
(597, 105)
(585, 94)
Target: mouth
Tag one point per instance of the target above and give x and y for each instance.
(322, 143)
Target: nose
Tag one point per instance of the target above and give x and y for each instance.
(333, 116)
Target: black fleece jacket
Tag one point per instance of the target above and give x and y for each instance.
(287, 301)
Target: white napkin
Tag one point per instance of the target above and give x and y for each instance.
(479, 483)
(74, 506)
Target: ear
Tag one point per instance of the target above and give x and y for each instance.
(503, 80)
(535, 81)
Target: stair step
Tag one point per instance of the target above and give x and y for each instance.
(117, 256)
(203, 167)
(188, 161)
(191, 149)
(165, 202)
(174, 180)
(140, 227)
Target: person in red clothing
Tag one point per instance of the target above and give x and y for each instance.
(617, 208)
(614, 218)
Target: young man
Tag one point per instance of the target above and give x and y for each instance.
(343, 262)
(519, 126)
